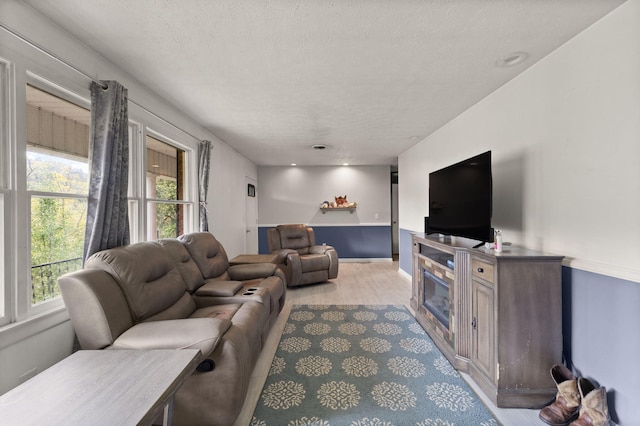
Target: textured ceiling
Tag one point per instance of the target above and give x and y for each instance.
(367, 78)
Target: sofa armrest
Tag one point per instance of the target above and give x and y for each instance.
(320, 249)
(330, 252)
(334, 262)
(98, 309)
(282, 255)
(188, 333)
(251, 271)
(293, 268)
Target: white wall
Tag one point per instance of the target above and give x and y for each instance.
(226, 199)
(294, 194)
(42, 342)
(565, 139)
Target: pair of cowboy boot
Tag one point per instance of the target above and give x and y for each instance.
(578, 402)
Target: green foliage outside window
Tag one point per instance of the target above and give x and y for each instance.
(57, 223)
(57, 229)
(167, 214)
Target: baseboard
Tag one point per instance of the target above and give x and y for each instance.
(405, 274)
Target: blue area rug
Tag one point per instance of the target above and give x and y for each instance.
(363, 365)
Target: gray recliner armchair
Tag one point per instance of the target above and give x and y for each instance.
(301, 259)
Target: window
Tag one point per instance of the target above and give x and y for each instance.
(44, 179)
(57, 186)
(3, 290)
(4, 186)
(167, 208)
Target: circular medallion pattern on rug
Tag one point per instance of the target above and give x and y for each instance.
(363, 365)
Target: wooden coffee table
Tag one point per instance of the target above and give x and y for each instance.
(108, 387)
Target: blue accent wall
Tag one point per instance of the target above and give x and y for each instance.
(405, 249)
(356, 242)
(601, 332)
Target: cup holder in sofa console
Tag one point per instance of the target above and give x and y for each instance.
(252, 289)
(248, 293)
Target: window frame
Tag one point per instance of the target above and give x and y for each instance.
(135, 188)
(5, 277)
(25, 307)
(190, 176)
(7, 129)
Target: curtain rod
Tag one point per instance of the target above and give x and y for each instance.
(79, 71)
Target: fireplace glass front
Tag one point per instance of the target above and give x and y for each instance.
(436, 297)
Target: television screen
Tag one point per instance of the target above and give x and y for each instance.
(460, 199)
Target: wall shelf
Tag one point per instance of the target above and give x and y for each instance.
(337, 209)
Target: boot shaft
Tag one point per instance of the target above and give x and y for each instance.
(594, 410)
(567, 385)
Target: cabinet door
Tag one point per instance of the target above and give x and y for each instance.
(483, 322)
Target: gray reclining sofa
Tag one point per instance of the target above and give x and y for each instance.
(175, 294)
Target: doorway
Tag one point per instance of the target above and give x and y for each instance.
(395, 231)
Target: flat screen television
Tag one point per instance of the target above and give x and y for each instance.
(461, 199)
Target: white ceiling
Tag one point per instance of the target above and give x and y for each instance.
(367, 78)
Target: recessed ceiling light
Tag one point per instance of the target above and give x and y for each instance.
(318, 146)
(293, 164)
(512, 59)
(345, 164)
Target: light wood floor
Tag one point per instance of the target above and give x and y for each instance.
(376, 283)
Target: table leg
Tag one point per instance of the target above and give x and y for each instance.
(168, 413)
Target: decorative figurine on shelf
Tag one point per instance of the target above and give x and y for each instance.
(341, 202)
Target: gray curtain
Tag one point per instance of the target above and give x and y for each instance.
(204, 154)
(107, 210)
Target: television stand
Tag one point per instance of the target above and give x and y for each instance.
(504, 315)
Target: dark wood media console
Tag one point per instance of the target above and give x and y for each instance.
(497, 316)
